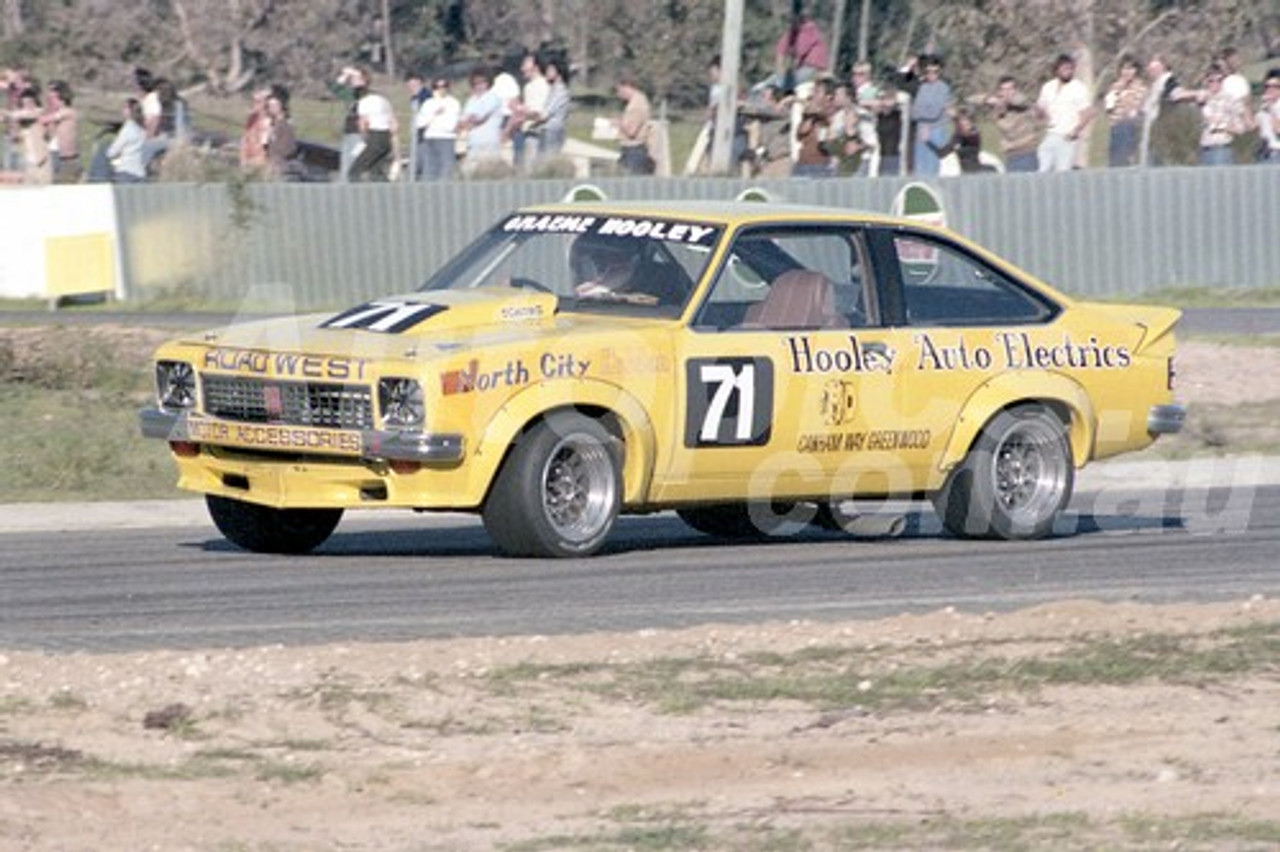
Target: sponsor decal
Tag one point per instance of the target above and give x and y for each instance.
(549, 224)
(610, 362)
(287, 364)
(520, 313)
(838, 402)
(850, 356)
(870, 441)
(386, 316)
(675, 232)
(549, 365)
(1019, 351)
(294, 438)
(619, 226)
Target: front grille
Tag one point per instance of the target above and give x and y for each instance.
(330, 406)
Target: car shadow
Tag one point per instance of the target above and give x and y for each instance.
(665, 532)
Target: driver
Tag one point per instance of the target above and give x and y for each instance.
(603, 266)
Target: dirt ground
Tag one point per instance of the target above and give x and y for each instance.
(551, 743)
(503, 744)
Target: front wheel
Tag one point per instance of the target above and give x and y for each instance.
(263, 529)
(559, 491)
(1015, 480)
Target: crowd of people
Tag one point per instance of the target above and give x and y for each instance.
(805, 121)
(41, 143)
(515, 112)
(801, 120)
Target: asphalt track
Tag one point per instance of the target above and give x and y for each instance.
(134, 576)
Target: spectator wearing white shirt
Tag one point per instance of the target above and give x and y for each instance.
(1067, 107)
(437, 122)
(377, 123)
(1234, 83)
(527, 130)
(482, 120)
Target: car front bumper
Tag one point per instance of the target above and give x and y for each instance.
(376, 444)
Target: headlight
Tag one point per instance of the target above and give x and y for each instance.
(175, 384)
(400, 401)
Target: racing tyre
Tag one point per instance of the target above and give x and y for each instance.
(1015, 480)
(559, 491)
(263, 529)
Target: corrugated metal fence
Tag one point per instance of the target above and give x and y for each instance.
(1091, 233)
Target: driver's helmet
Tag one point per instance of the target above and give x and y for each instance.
(603, 264)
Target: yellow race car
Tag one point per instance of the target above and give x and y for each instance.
(753, 366)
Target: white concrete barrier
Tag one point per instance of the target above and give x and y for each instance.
(59, 241)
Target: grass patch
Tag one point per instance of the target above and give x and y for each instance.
(1065, 832)
(78, 445)
(1205, 297)
(842, 678)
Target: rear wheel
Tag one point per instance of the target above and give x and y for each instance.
(1014, 482)
(263, 529)
(559, 491)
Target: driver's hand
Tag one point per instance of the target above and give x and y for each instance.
(592, 290)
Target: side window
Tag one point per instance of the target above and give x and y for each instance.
(789, 280)
(942, 285)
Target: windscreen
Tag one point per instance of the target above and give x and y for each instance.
(595, 263)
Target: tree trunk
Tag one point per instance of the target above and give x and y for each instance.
(13, 23)
(388, 54)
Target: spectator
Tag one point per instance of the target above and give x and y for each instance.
(505, 83)
(866, 94)
(1123, 103)
(125, 153)
(556, 116)
(282, 143)
(929, 109)
(814, 157)
(1268, 119)
(1163, 91)
(157, 99)
(419, 93)
(61, 124)
(37, 168)
(257, 130)
(530, 113)
(437, 121)
(377, 123)
(350, 86)
(965, 143)
(1018, 125)
(842, 142)
(800, 54)
(1234, 83)
(15, 82)
(891, 132)
(1223, 117)
(1066, 105)
(769, 133)
(482, 120)
(633, 129)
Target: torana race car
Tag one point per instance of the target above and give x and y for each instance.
(752, 366)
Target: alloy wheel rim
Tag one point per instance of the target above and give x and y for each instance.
(578, 488)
